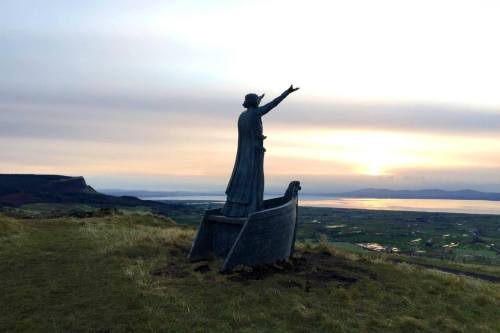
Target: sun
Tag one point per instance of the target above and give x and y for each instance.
(374, 169)
(372, 163)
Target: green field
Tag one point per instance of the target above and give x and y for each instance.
(128, 272)
(458, 238)
(463, 238)
(473, 238)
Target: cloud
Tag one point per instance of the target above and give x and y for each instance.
(108, 116)
(155, 88)
(405, 116)
(90, 63)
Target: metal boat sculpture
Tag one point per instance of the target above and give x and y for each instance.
(264, 237)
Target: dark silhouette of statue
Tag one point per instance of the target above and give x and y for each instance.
(245, 190)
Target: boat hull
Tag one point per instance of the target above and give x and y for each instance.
(264, 237)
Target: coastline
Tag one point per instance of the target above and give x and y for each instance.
(452, 206)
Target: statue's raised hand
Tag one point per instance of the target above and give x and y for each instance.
(292, 89)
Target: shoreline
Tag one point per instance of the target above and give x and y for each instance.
(441, 206)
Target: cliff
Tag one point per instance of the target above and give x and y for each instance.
(17, 190)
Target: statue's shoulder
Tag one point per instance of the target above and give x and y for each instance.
(253, 111)
(248, 112)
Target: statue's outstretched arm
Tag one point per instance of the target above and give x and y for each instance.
(272, 104)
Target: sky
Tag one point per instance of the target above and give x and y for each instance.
(146, 94)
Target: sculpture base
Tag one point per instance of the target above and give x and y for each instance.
(264, 237)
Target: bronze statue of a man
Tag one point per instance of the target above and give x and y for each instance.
(245, 190)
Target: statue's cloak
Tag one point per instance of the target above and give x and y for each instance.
(246, 186)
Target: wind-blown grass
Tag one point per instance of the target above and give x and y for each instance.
(130, 273)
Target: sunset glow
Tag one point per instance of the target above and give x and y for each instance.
(392, 93)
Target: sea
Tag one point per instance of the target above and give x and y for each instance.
(422, 205)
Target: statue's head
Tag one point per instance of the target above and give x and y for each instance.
(251, 101)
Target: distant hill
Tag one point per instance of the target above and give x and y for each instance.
(420, 194)
(363, 193)
(17, 190)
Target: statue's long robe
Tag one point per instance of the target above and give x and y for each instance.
(245, 190)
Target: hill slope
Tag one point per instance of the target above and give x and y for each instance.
(18, 190)
(129, 273)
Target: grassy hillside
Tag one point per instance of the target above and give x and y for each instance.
(129, 272)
